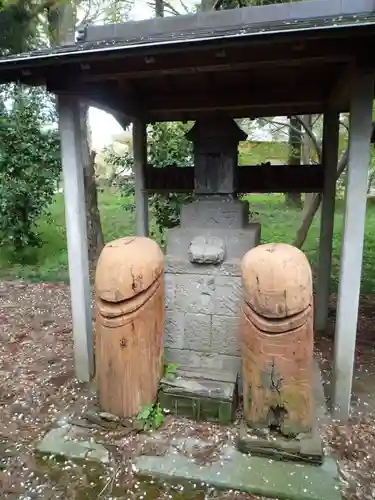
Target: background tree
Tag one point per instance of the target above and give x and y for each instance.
(29, 166)
(295, 142)
(167, 145)
(18, 26)
(26, 24)
(29, 145)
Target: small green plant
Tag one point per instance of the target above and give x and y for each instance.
(151, 416)
(170, 370)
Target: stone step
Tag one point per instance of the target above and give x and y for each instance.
(232, 470)
(205, 396)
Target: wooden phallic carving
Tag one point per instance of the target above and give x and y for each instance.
(277, 338)
(129, 289)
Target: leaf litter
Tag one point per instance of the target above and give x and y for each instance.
(38, 388)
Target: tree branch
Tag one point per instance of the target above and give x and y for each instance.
(171, 9)
(218, 4)
(313, 139)
(303, 230)
(343, 124)
(185, 7)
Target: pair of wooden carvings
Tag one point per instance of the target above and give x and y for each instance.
(276, 332)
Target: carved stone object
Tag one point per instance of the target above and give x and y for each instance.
(277, 339)
(204, 250)
(129, 289)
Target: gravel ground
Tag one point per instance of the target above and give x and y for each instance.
(38, 386)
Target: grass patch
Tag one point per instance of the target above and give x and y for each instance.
(50, 262)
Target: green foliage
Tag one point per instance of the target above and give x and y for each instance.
(170, 370)
(122, 175)
(168, 146)
(50, 262)
(18, 25)
(29, 167)
(151, 416)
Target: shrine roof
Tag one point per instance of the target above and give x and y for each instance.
(310, 43)
(303, 16)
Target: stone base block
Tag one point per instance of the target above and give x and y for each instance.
(204, 396)
(222, 213)
(202, 312)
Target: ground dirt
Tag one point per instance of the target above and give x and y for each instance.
(38, 386)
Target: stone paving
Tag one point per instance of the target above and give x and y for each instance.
(65, 441)
(233, 470)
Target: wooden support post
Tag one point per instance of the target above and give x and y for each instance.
(330, 159)
(75, 216)
(352, 243)
(140, 162)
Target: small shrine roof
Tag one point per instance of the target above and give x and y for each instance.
(299, 47)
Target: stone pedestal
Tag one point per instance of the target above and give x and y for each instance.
(203, 277)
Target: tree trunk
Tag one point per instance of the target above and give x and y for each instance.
(294, 199)
(94, 227)
(303, 230)
(61, 23)
(159, 8)
(207, 5)
(307, 157)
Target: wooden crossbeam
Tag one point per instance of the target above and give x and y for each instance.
(250, 179)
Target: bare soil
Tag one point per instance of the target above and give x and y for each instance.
(38, 386)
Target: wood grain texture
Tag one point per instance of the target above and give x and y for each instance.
(277, 346)
(129, 339)
(277, 280)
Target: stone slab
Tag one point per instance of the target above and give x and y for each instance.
(197, 331)
(225, 334)
(210, 214)
(222, 376)
(255, 475)
(204, 294)
(62, 441)
(202, 312)
(174, 328)
(173, 265)
(189, 359)
(193, 382)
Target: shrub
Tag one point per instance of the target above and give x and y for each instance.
(29, 167)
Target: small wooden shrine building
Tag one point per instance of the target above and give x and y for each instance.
(294, 58)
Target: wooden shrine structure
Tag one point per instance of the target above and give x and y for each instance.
(293, 58)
